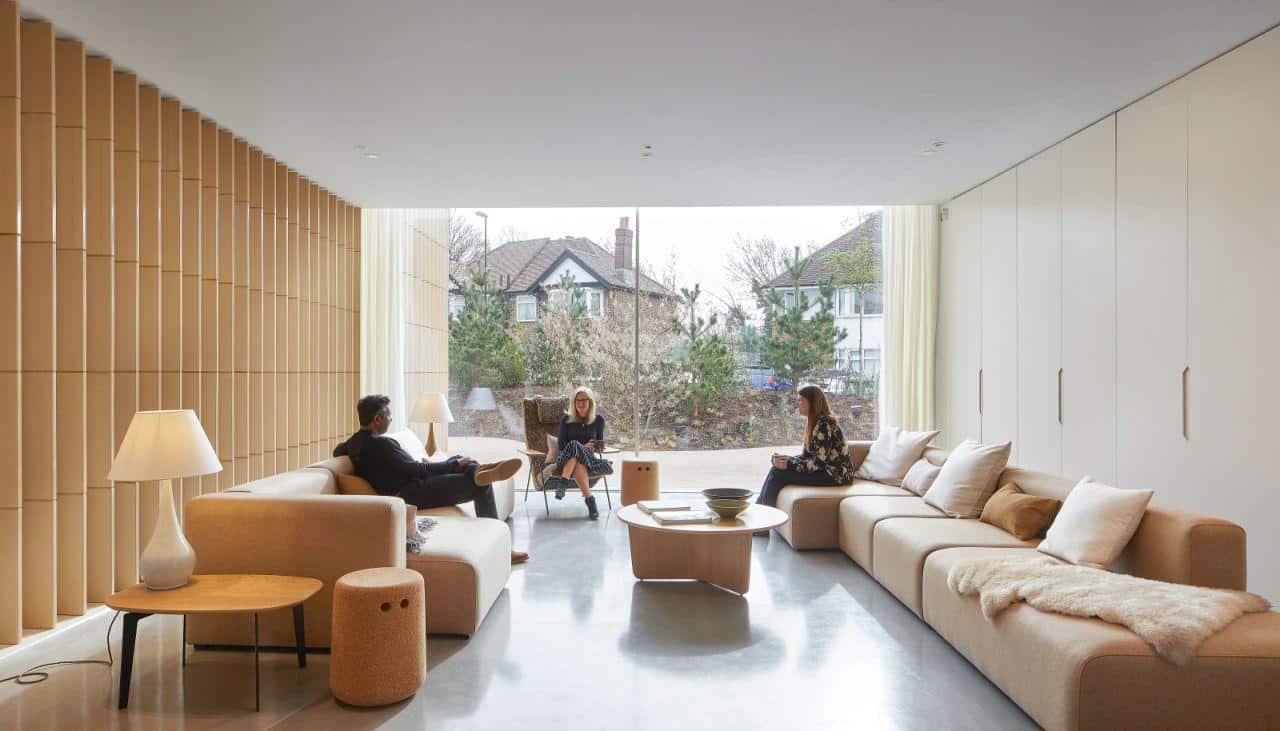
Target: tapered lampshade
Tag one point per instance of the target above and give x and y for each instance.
(432, 408)
(161, 445)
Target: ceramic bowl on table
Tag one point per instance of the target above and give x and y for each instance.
(728, 509)
(727, 493)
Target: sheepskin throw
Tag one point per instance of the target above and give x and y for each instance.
(1173, 618)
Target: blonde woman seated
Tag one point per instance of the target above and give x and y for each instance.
(825, 460)
(580, 442)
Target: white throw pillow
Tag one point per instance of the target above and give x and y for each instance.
(921, 476)
(553, 448)
(893, 453)
(1095, 524)
(968, 478)
(410, 443)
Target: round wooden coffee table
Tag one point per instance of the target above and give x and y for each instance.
(213, 594)
(718, 553)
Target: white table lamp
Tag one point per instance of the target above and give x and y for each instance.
(165, 445)
(431, 409)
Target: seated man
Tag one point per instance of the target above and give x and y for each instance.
(382, 462)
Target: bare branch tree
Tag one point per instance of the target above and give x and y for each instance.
(754, 260)
(466, 243)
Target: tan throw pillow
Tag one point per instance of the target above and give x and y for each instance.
(1095, 524)
(1025, 516)
(350, 484)
(968, 478)
(920, 477)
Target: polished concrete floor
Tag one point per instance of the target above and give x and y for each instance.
(575, 643)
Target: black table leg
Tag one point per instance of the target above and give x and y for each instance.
(257, 698)
(131, 620)
(184, 640)
(299, 636)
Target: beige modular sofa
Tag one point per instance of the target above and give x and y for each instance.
(300, 523)
(1067, 673)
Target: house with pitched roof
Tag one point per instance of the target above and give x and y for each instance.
(532, 271)
(848, 305)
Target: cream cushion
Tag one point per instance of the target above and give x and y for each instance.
(465, 563)
(553, 448)
(813, 511)
(859, 517)
(411, 444)
(921, 476)
(968, 478)
(893, 453)
(1095, 523)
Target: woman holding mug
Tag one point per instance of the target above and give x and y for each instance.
(581, 441)
(824, 460)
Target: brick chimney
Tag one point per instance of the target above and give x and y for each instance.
(623, 245)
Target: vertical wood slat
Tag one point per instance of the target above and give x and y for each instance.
(100, 325)
(280, 412)
(253, 341)
(357, 231)
(10, 324)
(39, 462)
(148, 285)
(291, 279)
(210, 239)
(69, 146)
(268, 286)
(126, 313)
(300, 339)
(320, 322)
(240, 313)
(171, 245)
(225, 445)
(192, 261)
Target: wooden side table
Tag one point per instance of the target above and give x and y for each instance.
(213, 594)
(639, 480)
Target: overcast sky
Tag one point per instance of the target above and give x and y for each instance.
(699, 239)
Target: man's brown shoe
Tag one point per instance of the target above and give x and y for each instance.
(487, 474)
(518, 557)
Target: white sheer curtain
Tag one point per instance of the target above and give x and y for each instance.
(383, 243)
(911, 315)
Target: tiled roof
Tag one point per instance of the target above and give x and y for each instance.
(820, 269)
(519, 265)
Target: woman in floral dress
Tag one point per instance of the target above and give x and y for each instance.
(825, 459)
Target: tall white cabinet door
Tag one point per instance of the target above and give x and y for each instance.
(959, 324)
(1039, 262)
(1089, 303)
(1151, 292)
(1234, 297)
(999, 400)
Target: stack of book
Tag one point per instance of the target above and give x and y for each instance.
(665, 512)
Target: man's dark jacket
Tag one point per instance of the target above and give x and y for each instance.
(384, 464)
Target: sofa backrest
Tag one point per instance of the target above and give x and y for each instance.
(345, 477)
(1170, 544)
(306, 481)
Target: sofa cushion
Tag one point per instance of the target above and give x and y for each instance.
(410, 443)
(921, 476)
(858, 518)
(465, 563)
(968, 478)
(901, 545)
(813, 511)
(1095, 524)
(1025, 516)
(893, 453)
(1073, 673)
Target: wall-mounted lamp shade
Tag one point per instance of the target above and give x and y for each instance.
(162, 445)
(432, 408)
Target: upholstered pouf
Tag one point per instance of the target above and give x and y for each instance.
(379, 646)
(639, 480)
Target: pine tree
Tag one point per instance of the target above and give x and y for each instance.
(708, 361)
(481, 349)
(554, 348)
(796, 348)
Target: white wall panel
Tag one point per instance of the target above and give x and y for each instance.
(999, 287)
(1039, 311)
(959, 318)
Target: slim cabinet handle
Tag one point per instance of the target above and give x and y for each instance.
(1186, 385)
(979, 390)
(1059, 395)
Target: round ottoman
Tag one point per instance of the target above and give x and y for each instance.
(639, 480)
(378, 652)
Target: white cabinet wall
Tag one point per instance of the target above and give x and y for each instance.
(1167, 297)
(1234, 298)
(999, 287)
(1151, 280)
(959, 341)
(1039, 311)
(1089, 302)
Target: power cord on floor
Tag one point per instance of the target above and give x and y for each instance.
(37, 674)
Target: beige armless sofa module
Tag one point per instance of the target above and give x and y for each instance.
(298, 523)
(1067, 673)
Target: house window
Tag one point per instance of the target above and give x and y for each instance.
(456, 303)
(595, 303)
(789, 299)
(846, 302)
(874, 303)
(526, 308)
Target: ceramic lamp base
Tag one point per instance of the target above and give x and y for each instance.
(168, 560)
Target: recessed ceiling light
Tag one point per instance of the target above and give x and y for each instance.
(371, 155)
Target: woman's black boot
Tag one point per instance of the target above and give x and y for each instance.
(592, 512)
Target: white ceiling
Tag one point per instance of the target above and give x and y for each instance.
(548, 102)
